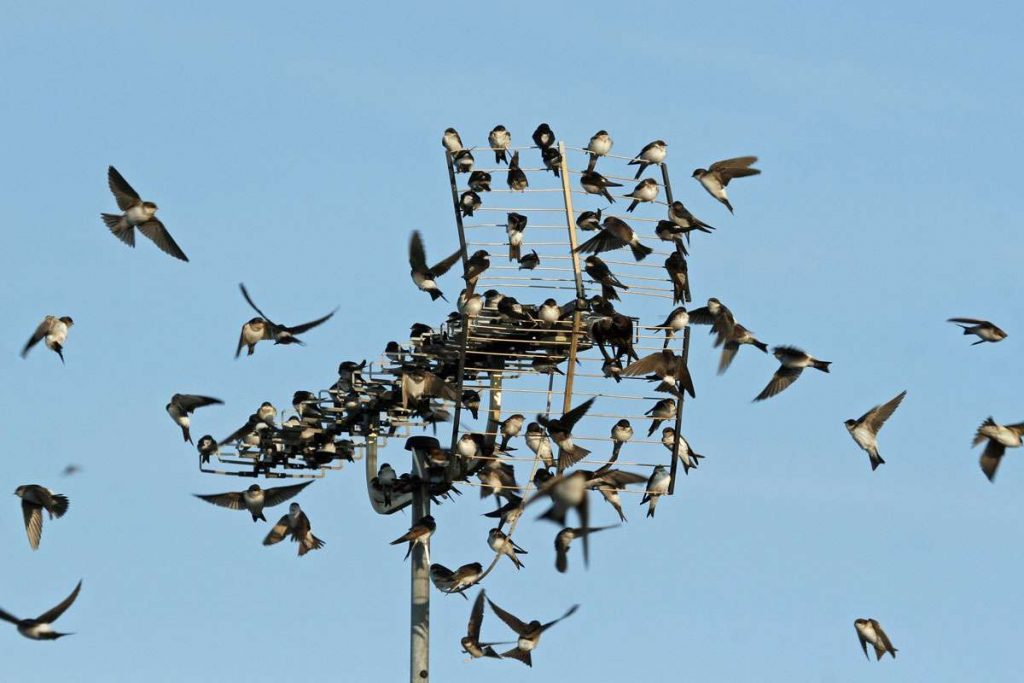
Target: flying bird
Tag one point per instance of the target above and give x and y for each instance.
(183, 405)
(263, 328)
(254, 499)
(666, 366)
(35, 499)
(560, 430)
(792, 362)
(295, 523)
(137, 214)
(41, 628)
(425, 277)
(529, 634)
(417, 383)
(564, 539)
(986, 331)
(652, 153)
(615, 234)
(717, 315)
(716, 177)
(1000, 437)
(471, 644)
(739, 335)
(869, 631)
(864, 429)
(53, 332)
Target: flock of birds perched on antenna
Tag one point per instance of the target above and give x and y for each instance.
(314, 434)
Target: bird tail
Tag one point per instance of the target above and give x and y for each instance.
(761, 345)
(187, 434)
(436, 294)
(259, 516)
(727, 205)
(608, 196)
(608, 292)
(632, 205)
(654, 425)
(966, 329)
(822, 364)
(562, 562)
(554, 515)
(522, 655)
(513, 252)
(60, 351)
(639, 251)
(654, 504)
(642, 168)
(60, 506)
(122, 229)
(876, 460)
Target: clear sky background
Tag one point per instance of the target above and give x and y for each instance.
(295, 148)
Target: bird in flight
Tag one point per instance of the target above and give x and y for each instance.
(263, 328)
(41, 628)
(137, 214)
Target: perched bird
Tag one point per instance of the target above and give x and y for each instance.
(514, 228)
(261, 420)
(263, 328)
(622, 432)
(35, 499)
(183, 405)
(510, 428)
(676, 321)
(469, 202)
(471, 401)
(499, 139)
(679, 215)
(593, 182)
(793, 361)
(615, 234)
(480, 181)
(552, 159)
(516, 178)
(512, 311)
(417, 383)
(589, 220)
(548, 365)
(600, 144)
(207, 447)
(543, 137)
(418, 533)
(137, 214)
(463, 160)
(666, 366)
(549, 312)
(565, 537)
(740, 335)
(716, 177)
(717, 315)
(652, 153)
(54, 331)
(425, 277)
(681, 447)
(295, 523)
(864, 429)
(529, 634)
(465, 576)
(508, 513)
(442, 578)
(385, 481)
(254, 499)
(675, 266)
(475, 267)
(538, 442)
(529, 261)
(560, 430)
(41, 627)
(657, 486)
(986, 331)
(869, 631)
(1000, 438)
(471, 644)
(471, 304)
(504, 545)
(599, 272)
(665, 409)
(612, 368)
(645, 191)
(451, 140)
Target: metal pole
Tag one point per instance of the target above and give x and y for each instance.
(419, 615)
(577, 318)
(493, 409)
(685, 353)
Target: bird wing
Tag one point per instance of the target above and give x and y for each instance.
(6, 616)
(602, 241)
(33, 515)
(51, 615)
(617, 478)
(305, 327)
(417, 254)
(279, 494)
(248, 298)
(442, 267)
(885, 645)
(411, 535)
(240, 432)
(278, 532)
(728, 353)
(124, 193)
(42, 330)
(645, 365)
(476, 617)
(990, 458)
(738, 167)
(231, 500)
(876, 417)
(155, 230)
(978, 436)
(241, 342)
(574, 415)
(970, 321)
(863, 642)
(435, 386)
(189, 402)
(701, 316)
(781, 380)
(569, 613)
(1018, 428)
(512, 622)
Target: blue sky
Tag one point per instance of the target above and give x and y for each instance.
(295, 149)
